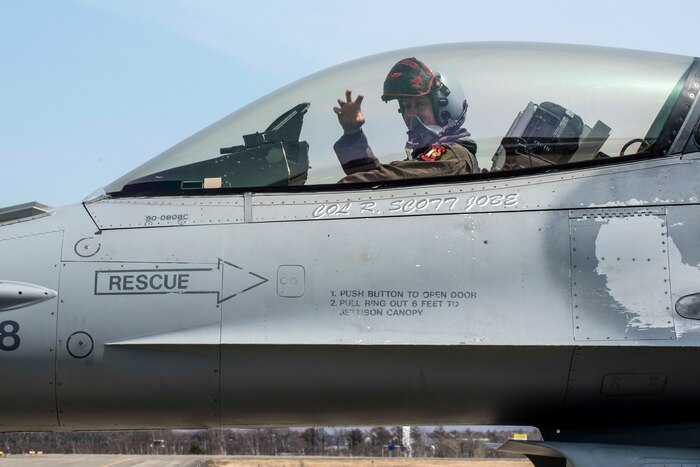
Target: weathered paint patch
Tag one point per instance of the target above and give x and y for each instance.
(620, 275)
(630, 257)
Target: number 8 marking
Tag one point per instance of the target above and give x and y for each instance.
(9, 335)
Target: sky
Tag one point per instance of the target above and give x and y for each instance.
(90, 89)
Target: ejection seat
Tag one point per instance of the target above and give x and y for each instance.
(548, 134)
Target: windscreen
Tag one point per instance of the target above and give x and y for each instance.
(527, 105)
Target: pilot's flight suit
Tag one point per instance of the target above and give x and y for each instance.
(450, 155)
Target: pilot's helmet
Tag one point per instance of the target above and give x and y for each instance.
(412, 78)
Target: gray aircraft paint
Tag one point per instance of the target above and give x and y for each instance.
(473, 301)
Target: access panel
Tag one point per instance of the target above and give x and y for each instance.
(620, 277)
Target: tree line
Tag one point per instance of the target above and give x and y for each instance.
(370, 442)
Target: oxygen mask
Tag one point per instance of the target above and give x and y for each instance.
(421, 135)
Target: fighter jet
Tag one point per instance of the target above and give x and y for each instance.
(524, 253)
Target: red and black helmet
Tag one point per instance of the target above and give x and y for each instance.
(409, 78)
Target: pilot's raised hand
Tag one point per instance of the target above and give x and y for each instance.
(349, 113)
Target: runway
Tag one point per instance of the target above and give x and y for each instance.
(94, 460)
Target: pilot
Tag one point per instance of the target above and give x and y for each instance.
(433, 112)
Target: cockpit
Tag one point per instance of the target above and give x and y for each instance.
(530, 107)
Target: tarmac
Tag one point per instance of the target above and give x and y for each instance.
(109, 460)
